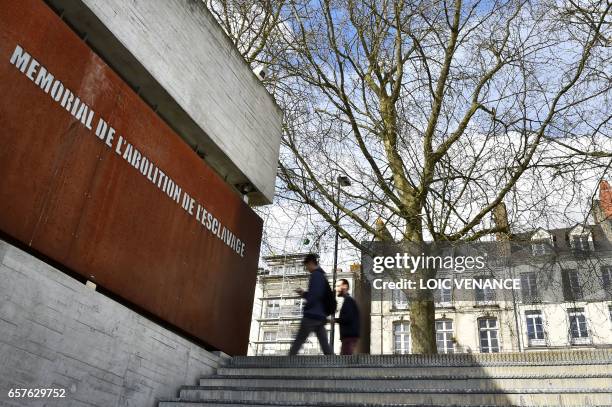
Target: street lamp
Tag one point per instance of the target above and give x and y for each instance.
(342, 181)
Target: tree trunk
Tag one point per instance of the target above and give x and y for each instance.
(422, 308)
(423, 323)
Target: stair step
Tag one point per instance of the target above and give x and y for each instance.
(468, 397)
(409, 372)
(558, 378)
(553, 358)
(223, 403)
(389, 383)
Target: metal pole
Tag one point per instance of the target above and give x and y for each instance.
(516, 316)
(334, 271)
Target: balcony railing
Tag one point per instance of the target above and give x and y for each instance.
(283, 312)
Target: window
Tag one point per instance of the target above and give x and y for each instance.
(489, 342)
(286, 332)
(529, 287)
(286, 269)
(269, 347)
(297, 269)
(296, 308)
(581, 242)
(483, 294)
(444, 336)
(401, 337)
(443, 295)
(276, 270)
(535, 328)
(272, 308)
(400, 299)
(571, 285)
(579, 332)
(606, 281)
(541, 248)
(541, 243)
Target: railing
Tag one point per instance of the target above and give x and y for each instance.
(283, 312)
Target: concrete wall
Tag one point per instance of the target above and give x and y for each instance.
(181, 62)
(57, 333)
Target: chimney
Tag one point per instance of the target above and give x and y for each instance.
(605, 199)
(602, 209)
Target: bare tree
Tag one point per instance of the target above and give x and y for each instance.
(438, 112)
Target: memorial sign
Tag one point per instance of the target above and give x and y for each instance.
(94, 179)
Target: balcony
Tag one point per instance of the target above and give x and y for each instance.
(290, 312)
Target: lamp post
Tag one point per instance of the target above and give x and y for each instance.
(342, 181)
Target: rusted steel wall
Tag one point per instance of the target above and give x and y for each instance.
(86, 203)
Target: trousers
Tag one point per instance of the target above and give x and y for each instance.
(307, 326)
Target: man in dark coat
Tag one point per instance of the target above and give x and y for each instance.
(315, 316)
(348, 319)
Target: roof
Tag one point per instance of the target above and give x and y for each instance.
(561, 238)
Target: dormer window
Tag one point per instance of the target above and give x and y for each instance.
(541, 243)
(541, 248)
(581, 239)
(581, 242)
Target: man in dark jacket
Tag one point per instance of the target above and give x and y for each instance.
(315, 317)
(348, 319)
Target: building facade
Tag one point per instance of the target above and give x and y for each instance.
(564, 300)
(277, 309)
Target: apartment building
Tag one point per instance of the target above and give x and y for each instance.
(277, 309)
(564, 300)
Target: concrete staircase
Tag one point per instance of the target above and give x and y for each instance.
(567, 378)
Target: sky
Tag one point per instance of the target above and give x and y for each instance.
(290, 227)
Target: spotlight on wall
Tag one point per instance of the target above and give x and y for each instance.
(261, 72)
(245, 188)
